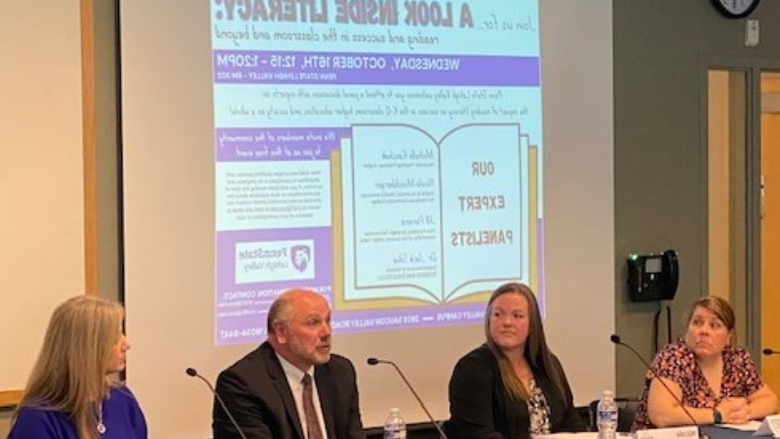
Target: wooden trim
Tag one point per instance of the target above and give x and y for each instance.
(10, 398)
(89, 146)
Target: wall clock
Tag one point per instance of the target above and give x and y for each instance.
(735, 8)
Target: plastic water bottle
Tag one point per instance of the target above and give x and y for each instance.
(607, 416)
(395, 427)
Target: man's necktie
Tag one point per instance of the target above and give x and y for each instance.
(312, 423)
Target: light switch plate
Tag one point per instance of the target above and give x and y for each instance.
(752, 33)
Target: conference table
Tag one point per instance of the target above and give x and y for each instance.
(425, 431)
(729, 433)
(710, 431)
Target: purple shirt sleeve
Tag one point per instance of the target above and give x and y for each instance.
(35, 423)
(122, 417)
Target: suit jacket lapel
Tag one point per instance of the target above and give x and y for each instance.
(279, 379)
(325, 389)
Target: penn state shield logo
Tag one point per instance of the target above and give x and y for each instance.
(300, 257)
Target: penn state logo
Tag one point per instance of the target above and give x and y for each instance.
(301, 257)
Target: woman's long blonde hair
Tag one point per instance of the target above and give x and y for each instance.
(536, 352)
(70, 374)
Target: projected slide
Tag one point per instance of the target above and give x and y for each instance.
(387, 154)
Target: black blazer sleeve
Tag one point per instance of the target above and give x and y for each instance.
(339, 397)
(472, 399)
(481, 408)
(256, 392)
(251, 413)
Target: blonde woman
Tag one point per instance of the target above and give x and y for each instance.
(74, 390)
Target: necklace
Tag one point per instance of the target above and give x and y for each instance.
(101, 427)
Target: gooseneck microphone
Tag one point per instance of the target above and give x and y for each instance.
(194, 373)
(614, 338)
(768, 351)
(375, 361)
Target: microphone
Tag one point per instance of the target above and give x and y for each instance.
(614, 338)
(375, 361)
(768, 352)
(194, 373)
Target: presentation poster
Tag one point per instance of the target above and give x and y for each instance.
(387, 154)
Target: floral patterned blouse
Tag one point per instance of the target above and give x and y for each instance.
(538, 412)
(677, 363)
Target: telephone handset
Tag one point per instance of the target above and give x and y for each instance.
(653, 277)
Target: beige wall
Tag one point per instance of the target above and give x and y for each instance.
(53, 171)
(41, 184)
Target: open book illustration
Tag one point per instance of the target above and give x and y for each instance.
(434, 219)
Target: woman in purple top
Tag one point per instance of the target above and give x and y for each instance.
(74, 390)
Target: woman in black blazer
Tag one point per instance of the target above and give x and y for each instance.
(511, 387)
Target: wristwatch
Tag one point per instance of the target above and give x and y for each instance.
(717, 418)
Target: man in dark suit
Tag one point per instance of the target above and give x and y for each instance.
(291, 387)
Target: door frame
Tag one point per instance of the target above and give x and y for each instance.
(750, 305)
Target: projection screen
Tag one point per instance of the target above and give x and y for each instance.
(401, 158)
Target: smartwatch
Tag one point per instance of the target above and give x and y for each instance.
(717, 417)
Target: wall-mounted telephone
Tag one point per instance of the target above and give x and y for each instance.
(653, 277)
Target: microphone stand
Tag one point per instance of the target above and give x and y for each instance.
(194, 373)
(616, 340)
(375, 361)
